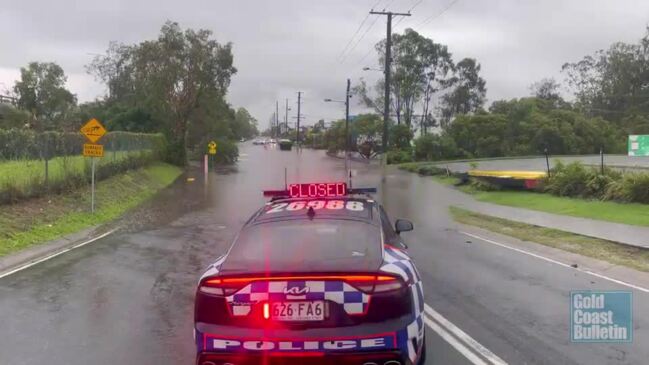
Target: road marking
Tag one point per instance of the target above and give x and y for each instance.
(633, 286)
(26, 266)
(457, 345)
(462, 336)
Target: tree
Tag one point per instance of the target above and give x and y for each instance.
(181, 79)
(467, 93)
(612, 83)
(244, 125)
(419, 70)
(548, 89)
(41, 91)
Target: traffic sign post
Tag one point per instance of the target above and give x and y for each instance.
(638, 145)
(93, 130)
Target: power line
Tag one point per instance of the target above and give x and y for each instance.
(435, 16)
(357, 30)
(409, 10)
(360, 39)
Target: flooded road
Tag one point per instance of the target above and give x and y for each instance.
(128, 298)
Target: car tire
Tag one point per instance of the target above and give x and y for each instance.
(422, 357)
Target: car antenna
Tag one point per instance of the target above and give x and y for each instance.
(285, 178)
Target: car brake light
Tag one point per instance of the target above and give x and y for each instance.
(366, 283)
(266, 311)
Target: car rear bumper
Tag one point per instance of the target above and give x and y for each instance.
(349, 358)
(371, 344)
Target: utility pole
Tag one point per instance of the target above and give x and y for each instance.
(347, 124)
(276, 118)
(388, 61)
(286, 116)
(297, 130)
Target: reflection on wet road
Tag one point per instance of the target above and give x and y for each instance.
(128, 298)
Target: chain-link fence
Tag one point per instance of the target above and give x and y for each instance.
(33, 163)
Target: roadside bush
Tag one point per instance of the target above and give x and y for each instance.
(635, 187)
(399, 156)
(597, 185)
(431, 170)
(483, 185)
(568, 180)
(227, 152)
(410, 166)
(432, 147)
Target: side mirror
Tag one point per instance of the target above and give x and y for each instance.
(403, 225)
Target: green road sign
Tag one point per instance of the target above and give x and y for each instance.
(639, 145)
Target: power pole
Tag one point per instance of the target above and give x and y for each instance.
(276, 118)
(297, 130)
(286, 116)
(388, 61)
(347, 120)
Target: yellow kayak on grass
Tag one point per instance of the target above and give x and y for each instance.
(509, 174)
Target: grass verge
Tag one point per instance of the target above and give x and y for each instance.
(40, 220)
(615, 253)
(626, 213)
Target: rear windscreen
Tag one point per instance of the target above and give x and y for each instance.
(319, 245)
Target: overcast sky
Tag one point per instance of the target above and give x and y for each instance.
(283, 46)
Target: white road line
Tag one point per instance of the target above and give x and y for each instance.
(26, 266)
(633, 286)
(457, 345)
(463, 336)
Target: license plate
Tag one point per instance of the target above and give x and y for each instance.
(298, 311)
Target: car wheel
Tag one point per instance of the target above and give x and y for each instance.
(422, 357)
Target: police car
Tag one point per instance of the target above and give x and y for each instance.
(317, 276)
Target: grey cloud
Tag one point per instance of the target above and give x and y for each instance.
(284, 46)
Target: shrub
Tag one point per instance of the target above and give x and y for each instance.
(435, 147)
(596, 185)
(227, 152)
(480, 184)
(399, 156)
(568, 180)
(635, 187)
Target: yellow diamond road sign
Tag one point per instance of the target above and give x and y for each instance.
(93, 130)
(212, 148)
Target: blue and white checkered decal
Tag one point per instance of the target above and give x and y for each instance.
(397, 262)
(352, 300)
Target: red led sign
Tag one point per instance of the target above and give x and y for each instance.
(317, 190)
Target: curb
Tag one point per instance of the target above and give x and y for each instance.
(21, 260)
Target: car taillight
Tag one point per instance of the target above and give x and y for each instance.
(375, 284)
(225, 286)
(218, 286)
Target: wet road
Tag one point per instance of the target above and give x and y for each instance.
(128, 298)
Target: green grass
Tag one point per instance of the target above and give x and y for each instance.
(615, 253)
(39, 220)
(446, 180)
(23, 173)
(626, 213)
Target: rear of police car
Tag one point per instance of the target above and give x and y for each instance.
(303, 285)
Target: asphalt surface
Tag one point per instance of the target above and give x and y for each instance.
(540, 164)
(128, 298)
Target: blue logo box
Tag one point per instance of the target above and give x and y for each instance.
(601, 316)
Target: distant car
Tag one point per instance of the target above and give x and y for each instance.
(258, 141)
(285, 144)
(317, 276)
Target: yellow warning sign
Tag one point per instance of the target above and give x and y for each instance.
(93, 150)
(211, 148)
(93, 130)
